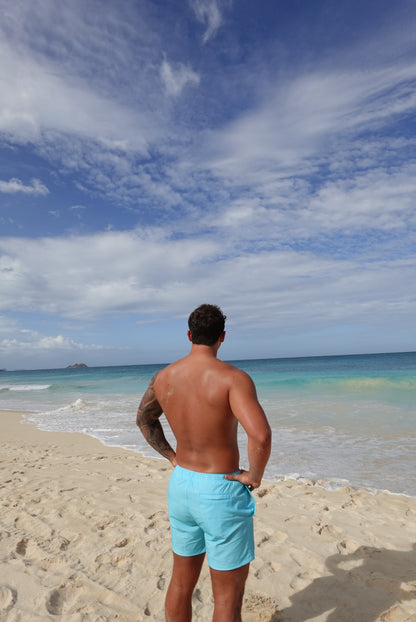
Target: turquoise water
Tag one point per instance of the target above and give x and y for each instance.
(336, 420)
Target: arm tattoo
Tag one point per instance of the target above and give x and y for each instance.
(149, 409)
(148, 416)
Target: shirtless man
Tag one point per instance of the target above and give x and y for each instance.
(210, 504)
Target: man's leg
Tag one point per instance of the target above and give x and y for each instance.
(228, 590)
(185, 574)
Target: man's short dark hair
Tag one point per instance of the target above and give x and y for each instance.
(206, 324)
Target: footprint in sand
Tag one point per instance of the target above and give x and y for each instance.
(156, 530)
(27, 547)
(156, 521)
(265, 569)
(8, 598)
(397, 614)
(264, 607)
(263, 492)
(161, 582)
(197, 595)
(322, 528)
(55, 602)
(347, 546)
(21, 547)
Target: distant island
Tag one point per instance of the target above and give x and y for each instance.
(76, 365)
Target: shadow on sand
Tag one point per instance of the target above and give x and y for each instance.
(361, 587)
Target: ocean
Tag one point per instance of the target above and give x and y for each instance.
(336, 420)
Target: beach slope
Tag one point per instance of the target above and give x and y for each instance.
(84, 537)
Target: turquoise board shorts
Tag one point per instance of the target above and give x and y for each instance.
(211, 514)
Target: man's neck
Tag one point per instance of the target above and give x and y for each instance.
(203, 350)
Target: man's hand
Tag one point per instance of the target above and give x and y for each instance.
(245, 478)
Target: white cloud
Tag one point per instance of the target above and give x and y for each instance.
(33, 341)
(148, 274)
(81, 277)
(87, 95)
(14, 185)
(300, 120)
(28, 113)
(208, 13)
(373, 200)
(340, 216)
(13, 338)
(31, 349)
(176, 77)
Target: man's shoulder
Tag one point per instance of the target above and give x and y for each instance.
(228, 367)
(233, 372)
(168, 369)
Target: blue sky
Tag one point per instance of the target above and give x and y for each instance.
(156, 155)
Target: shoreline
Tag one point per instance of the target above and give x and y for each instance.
(327, 484)
(322, 412)
(85, 536)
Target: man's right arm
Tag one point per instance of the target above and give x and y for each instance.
(247, 409)
(147, 420)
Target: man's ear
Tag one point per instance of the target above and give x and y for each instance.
(222, 337)
(189, 336)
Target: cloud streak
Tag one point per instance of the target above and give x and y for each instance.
(208, 13)
(36, 187)
(33, 341)
(176, 78)
(125, 273)
(307, 116)
(29, 114)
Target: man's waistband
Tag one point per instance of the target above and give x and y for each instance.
(202, 475)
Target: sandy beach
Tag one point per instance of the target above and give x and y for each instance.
(84, 537)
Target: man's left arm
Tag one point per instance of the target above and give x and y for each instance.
(147, 420)
(247, 409)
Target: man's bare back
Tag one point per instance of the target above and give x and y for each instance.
(203, 400)
(196, 393)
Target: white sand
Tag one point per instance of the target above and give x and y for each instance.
(84, 537)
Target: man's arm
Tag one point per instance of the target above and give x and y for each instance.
(148, 416)
(247, 409)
